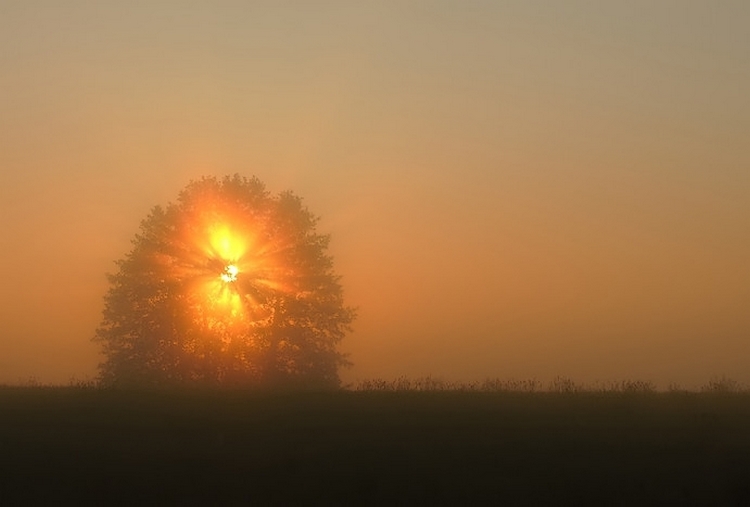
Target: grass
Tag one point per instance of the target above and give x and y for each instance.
(393, 443)
(558, 384)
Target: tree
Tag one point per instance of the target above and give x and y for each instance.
(228, 286)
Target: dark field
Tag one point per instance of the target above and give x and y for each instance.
(92, 446)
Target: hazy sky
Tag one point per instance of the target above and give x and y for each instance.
(513, 189)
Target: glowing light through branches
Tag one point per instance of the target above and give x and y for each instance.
(230, 274)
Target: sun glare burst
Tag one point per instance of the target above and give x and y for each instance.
(245, 269)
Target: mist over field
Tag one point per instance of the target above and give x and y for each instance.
(516, 190)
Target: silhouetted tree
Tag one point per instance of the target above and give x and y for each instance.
(228, 286)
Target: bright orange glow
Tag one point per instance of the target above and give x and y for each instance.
(234, 268)
(225, 300)
(226, 244)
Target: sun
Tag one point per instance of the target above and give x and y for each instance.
(229, 274)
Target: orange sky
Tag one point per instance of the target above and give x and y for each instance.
(523, 189)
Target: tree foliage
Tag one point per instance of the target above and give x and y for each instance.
(229, 285)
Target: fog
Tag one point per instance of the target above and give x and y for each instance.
(520, 190)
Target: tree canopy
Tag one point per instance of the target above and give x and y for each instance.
(228, 286)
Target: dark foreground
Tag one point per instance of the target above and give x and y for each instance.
(87, 446)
